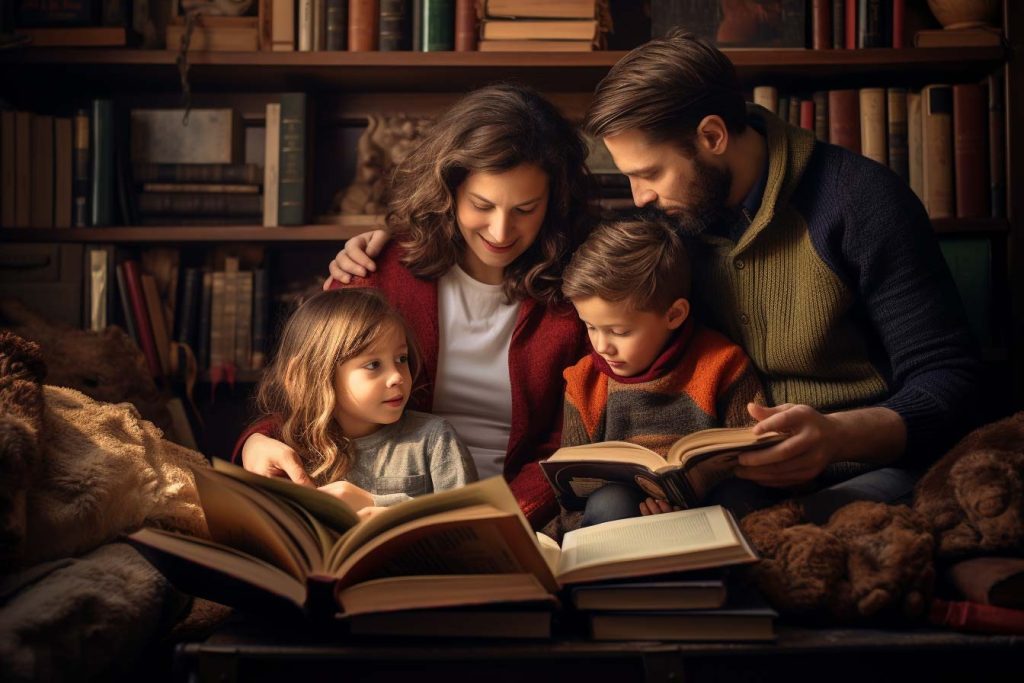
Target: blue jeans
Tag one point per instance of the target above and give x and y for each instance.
(611, 502)
(885, 485)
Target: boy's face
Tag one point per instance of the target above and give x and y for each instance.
(629, 340)
(372, 388)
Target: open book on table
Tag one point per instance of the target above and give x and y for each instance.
(282, 547)
(693, 466)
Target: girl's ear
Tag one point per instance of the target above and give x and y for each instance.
(677, 313)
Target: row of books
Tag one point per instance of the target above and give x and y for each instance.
(278, 548)
(946, 141)
(181, 317)
(857, 24)
(527, 26)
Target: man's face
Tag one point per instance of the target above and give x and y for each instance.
(691, 189)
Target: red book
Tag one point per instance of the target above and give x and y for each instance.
(851, 24)
(133, 283)
(976, 617)
(821, 24)
(899, 17)
(807, 114)
(465, 26)
(362, 25)
(844, 119)
(970, 150)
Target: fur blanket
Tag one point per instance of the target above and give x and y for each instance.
(75, 474)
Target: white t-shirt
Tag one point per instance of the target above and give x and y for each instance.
(473, 391)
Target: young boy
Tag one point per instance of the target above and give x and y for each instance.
(653, 375)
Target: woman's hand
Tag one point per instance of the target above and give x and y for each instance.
(356, 257)
(814, 441)
(349, 494)
(272, 458)
(655, 506)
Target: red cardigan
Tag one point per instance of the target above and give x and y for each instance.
(545, 341)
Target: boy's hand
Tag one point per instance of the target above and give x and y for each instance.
(655, 506)
(356, 257)
(272, 458)
(349, 494)
(814, 442)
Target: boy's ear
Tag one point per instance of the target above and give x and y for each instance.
(677, 313)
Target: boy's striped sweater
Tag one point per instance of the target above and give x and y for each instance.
(700, 380)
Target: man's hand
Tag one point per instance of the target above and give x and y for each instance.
(814, 441)
(356, 257)
(349, 494)
(655, 506)
(272, 458)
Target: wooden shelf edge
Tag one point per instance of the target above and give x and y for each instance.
(163, 235)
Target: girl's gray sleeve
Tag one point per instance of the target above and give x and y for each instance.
(451, 464)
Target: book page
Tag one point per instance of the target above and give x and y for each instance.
(720, 438)
(611, 451)
(643, 539)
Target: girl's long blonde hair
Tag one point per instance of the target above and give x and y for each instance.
(297, 389)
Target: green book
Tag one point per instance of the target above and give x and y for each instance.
(102, 199)
(438, 25)
(292, 180)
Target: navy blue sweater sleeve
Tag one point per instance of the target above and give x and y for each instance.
(887, 252)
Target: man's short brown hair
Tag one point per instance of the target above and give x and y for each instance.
(641, 261)
(665, 88)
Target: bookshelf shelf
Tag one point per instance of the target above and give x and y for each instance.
(91, 68)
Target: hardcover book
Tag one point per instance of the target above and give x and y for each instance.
(694, 464)
(283, 548)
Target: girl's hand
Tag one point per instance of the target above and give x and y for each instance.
(272, 458)
(814, 441)
(356, 258)
(349, 494)
(655, 506)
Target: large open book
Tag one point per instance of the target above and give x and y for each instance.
(279, 546)
(694, 465)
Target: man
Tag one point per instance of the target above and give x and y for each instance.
(820, 263)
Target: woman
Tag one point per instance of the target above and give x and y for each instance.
(485, 214)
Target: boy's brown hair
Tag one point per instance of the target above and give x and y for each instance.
(642, 261)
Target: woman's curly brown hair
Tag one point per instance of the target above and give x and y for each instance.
(493, 130)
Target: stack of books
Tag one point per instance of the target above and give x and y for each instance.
(539, 26)
(193, 173)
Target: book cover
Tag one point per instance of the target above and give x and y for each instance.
(970, 150)
(767, 96)
(694, 464)
(821, 24)
(964, 37)
(439, 25)
(839, 24)
(466, 25)
(282, 30)
(973, 617)
(292, 162)
(870, 24)
(200, 203)
(362, 25)
(873, 125)
(260, 317)
(203, 324)
(126, 305)
(277, 545)
(844, 119)
(937, 150)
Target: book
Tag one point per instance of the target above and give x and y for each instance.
(209, 136)
(203, 188)
(8, 166)
(937, 150)
(187, 311)
(870, 24)
(821, 24)
(873, 125)
(768, 97)
(280, 547)
(80, 214)
(200, 203)
(42, 172)
(974, 617)
(466, 26)
(240, 174)
(541, 9)
(63, 172)
(896, 119)
(77, 36)
(745, 617)
(394, 25)
(915, 149)
(512, 620)
(821, 116)
(439, 25)
(292, 161)
(132, 284)
(535, 46)
(844, 119)
(694, 464)
(260, 317)
(154, 307)
(970, 150)
(552, 29)
(963, 37)
(271, 164)
(336, 29)
(362, 25)
(101, 198)
(997, 144)
(694, 590)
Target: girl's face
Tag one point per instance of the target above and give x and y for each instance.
(499, 216)
(371, 389)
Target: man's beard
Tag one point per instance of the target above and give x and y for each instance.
(709, 204)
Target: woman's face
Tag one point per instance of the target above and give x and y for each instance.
(499, 217)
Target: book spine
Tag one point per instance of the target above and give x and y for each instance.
(821, 116)
(203, 324)
(126, 305)
(23, 169)
(362, 25)
(292, 182)
(133, 283)
(997, 144)
(8, 164)
(161, 340)
(844, 119)
(839, 24)
(899, 20)
(783, 105)
(272, 165)
(417, 25)
(767, 96)
(319, 25)
(873, 125)
(42, 172)
(937, 150)
(438, 25)
(850, 22)
(794, 111)
(102, 195)
(915, 150)
(466, 29)
(81, 214)
(970, 150)
(869, 23)
(243, 320)
(394, 26)
(63, 172)
(188, 309)
(896, 112)
(235, 174)
(807, 114)
(218, 322)
(282, 30)
(207, 204)
(337, 25)
(821, 24)
(260, 317)
(305, 30)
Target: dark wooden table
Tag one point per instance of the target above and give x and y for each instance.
(249, 651)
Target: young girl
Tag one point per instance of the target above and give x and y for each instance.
(337, 389)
